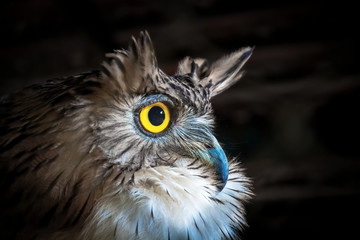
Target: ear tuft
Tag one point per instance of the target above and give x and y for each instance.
(131, 68)
(198, 68)
(227, 71)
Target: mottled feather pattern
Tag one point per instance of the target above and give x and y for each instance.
(75, 163)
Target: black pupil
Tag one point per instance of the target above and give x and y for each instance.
(156, 116)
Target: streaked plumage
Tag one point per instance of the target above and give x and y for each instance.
(78, 162)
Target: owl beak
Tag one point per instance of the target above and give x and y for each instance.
(217, 159)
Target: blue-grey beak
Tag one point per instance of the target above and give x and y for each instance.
(216, 157)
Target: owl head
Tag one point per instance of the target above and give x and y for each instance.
(127, 152)
(158, 130)
(167, 118)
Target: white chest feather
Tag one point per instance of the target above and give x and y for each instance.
(171, 203)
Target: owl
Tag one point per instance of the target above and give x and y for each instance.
(124, 152)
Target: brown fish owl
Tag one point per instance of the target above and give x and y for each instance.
(122, 153)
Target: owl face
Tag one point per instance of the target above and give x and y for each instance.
(168, 117)
(127, 152)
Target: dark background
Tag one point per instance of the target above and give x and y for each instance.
(293, 118)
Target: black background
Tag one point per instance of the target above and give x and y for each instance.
(292, 120)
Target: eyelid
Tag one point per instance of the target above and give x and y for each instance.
(146, 101)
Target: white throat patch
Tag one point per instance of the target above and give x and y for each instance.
(171, 203)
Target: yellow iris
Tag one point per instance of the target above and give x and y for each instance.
(155, 117)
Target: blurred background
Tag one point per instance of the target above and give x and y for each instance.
(292, 120)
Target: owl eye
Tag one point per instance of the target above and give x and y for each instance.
(155, 118)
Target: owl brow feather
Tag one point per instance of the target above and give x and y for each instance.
(111, 58)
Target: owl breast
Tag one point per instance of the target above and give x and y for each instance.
(170, 202)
